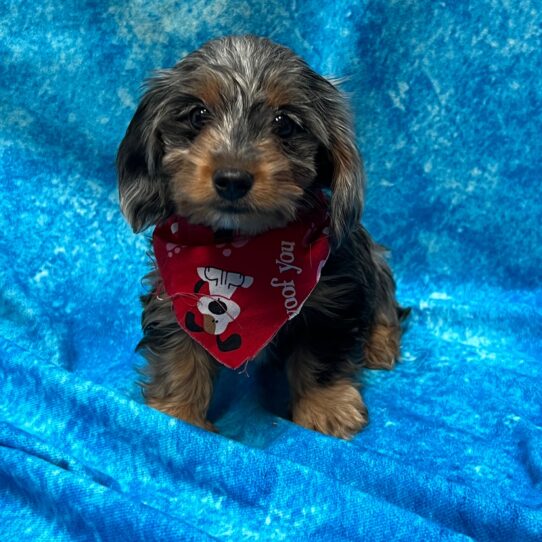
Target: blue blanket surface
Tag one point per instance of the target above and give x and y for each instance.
(448, 105)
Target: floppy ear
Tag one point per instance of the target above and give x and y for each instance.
(347, 179)
(142, 190)
(342, 165)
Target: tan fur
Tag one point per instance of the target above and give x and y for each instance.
(335, 408)
(277, 94)
(192, 172)
(183, 383)
(272, 201)
(166, 164)
(180, 371)
(209, 89)
(382, 348)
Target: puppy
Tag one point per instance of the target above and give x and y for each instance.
(242, 137)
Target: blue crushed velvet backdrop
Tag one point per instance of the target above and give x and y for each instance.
(448, 102)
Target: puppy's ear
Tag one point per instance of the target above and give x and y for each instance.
(341, 164)
(142, 190)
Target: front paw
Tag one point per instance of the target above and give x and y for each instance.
(182, 412)
(337, 410)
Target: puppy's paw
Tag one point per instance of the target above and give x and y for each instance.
(182, 412)
(382, 349)
(336, 410)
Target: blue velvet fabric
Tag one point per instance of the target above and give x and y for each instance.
(448, 104)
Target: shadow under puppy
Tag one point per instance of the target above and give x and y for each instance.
(242, 138)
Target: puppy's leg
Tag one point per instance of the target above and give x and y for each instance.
(382, 345)
(352, 311)
(324, 402)
(325, 340)
(181, 381)
(180, 372)
(382, 348)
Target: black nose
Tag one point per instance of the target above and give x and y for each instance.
(218, 307)
(232, 184)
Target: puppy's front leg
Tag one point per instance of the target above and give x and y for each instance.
(180, 372)
(322, 401)
(181, 382)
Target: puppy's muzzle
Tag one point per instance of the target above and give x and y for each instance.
(232, 184)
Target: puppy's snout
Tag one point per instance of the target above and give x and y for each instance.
(232, 184)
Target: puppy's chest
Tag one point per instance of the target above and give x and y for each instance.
(234, 295)
(337, 290)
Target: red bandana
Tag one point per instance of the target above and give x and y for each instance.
(232, 298)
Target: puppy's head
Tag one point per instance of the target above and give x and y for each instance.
(237, 136)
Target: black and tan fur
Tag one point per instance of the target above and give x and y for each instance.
(246, 104)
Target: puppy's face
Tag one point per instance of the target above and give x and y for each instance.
(237, 136)
(237, 153)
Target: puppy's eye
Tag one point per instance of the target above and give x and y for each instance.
(198, 117)
(284, 126)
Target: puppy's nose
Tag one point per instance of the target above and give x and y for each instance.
(218, 307)
(232, 184)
